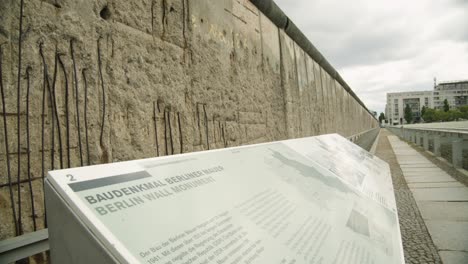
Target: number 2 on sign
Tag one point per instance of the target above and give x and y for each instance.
(69, 176)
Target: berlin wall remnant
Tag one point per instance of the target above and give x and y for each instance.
(157, 77)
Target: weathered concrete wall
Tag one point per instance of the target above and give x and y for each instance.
(177, 76)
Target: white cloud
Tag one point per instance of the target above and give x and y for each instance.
(387, 46)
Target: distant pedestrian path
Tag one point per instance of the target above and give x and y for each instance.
(442, 200)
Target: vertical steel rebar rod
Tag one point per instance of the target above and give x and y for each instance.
(42, 128)
(170, 131)
(52, 108)
(198, 123)
(57, 119)
(18, 104)
(103, 93)
(86, 114)
(28, 149)
(165, 132)
(7, 152)
(181, 141)
(156, 128)
(67, 114)
(206, 127)
(45, 82)
(77, 102)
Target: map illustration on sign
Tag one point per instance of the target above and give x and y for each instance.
(311, 200)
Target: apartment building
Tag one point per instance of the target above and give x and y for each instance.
(456, 93)
(396, 103)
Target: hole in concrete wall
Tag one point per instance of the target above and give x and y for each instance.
(105, 13)
(57, 5)
(171, 9)
(201, 20)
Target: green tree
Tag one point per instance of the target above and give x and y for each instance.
(423, 110)
(446, 106)
(455, 114)
(441, 116)
(408, 114)
(429, 115)
(381, 117)
(464, 111)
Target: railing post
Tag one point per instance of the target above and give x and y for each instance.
(437, 142)
(426, 140)
(457, 152)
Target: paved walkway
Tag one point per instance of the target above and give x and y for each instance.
(442, 202)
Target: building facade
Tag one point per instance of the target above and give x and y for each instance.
(456, 93)
(396, 103)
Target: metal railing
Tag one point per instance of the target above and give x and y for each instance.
(21, 247)
(448, 143)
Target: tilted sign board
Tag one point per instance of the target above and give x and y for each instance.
(311, 200)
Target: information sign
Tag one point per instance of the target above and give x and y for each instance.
(311, 200)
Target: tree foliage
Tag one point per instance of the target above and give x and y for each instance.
(408, 114)
(432, 115)
(423, 110)
(446, 106)
(381, 117)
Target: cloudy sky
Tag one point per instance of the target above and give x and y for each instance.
(381, 46)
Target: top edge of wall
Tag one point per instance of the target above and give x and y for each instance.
(270, 9)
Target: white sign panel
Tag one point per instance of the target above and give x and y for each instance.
(312, 200)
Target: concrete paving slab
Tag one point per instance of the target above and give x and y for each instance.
(422, 169)
(420, 165)
(404, 165)
(413, 173)
(424, 173)
(441, 200)
(454, 257)
(449, 235)
(435, 185)
(441, 194)
(451, 211)
(408, 160)
(414, 179)
(418, 174)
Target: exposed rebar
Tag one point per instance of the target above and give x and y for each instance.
(165, 132)
(180, 134)
(67, 113)
(103, 93)
(28, 147)
(45, 82)
(156, 129)
(57, 118)
(170, 131)
(86, 114)
(206, 127)
(18, 104)
(5, 131)
(76, 102)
